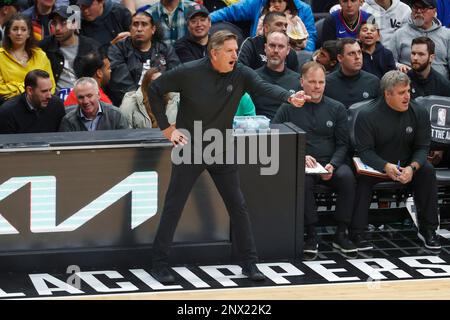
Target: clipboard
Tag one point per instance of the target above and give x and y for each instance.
(362, 168)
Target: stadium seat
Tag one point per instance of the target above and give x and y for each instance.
(319, 27)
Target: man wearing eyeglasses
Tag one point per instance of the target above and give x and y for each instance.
(423, 23)
(63, 47)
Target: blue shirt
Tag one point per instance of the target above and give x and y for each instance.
(246, 10)
(342, 30)
(443, 12)
(91, 124)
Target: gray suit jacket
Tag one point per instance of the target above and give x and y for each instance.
(112, 119)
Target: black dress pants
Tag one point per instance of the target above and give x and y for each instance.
(424, 190)
(226, 179)
(343, 181)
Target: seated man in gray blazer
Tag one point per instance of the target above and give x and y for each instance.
(92, 114)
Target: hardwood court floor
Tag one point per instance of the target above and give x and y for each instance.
(420, 274)
(434, 289)
(389, 244)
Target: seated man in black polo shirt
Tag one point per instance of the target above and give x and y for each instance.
(350, 84)
(327, 139)
(393, 136)
(35, 110)
(275, 72)
(425, 81)
(252, 52)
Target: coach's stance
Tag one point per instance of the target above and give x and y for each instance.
(210, 90)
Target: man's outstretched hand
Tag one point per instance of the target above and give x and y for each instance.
(299, 98)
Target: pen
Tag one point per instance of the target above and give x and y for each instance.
(398, 166)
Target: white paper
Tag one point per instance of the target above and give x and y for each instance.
(319, 169)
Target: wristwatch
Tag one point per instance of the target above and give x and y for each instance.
(413, 168)
(290, 98)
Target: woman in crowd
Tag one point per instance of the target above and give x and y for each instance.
(19, 55)
(136, 107)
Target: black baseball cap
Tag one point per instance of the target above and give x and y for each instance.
(62, 12)
(196, 9)
(427, 3)
(84, 2)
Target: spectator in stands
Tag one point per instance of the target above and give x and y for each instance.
(240, 28)
(137, 109)
(171, 16)
(377, 59)
(132, 57)
(297, 38)
(36, 110)
(214, 5)
(250, 10)
(193, 45)
(39, 15)
(389, 15)
(63, 47)
(295, 24)
(423, 24)
(252, 50)
(425, 81)
(443, 12)
(19, 55)
(327, 140)
(275, 72)
(92, 114)
(327, 56)
(105, 21)
(344, 22)
(92, 65)
(393, 136)
(8, 8)
(349, 84)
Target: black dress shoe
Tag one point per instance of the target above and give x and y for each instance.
(343, 243)
(311, 245)
(360, 242)
(251, 271)
(429, 238)
(162, 274)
